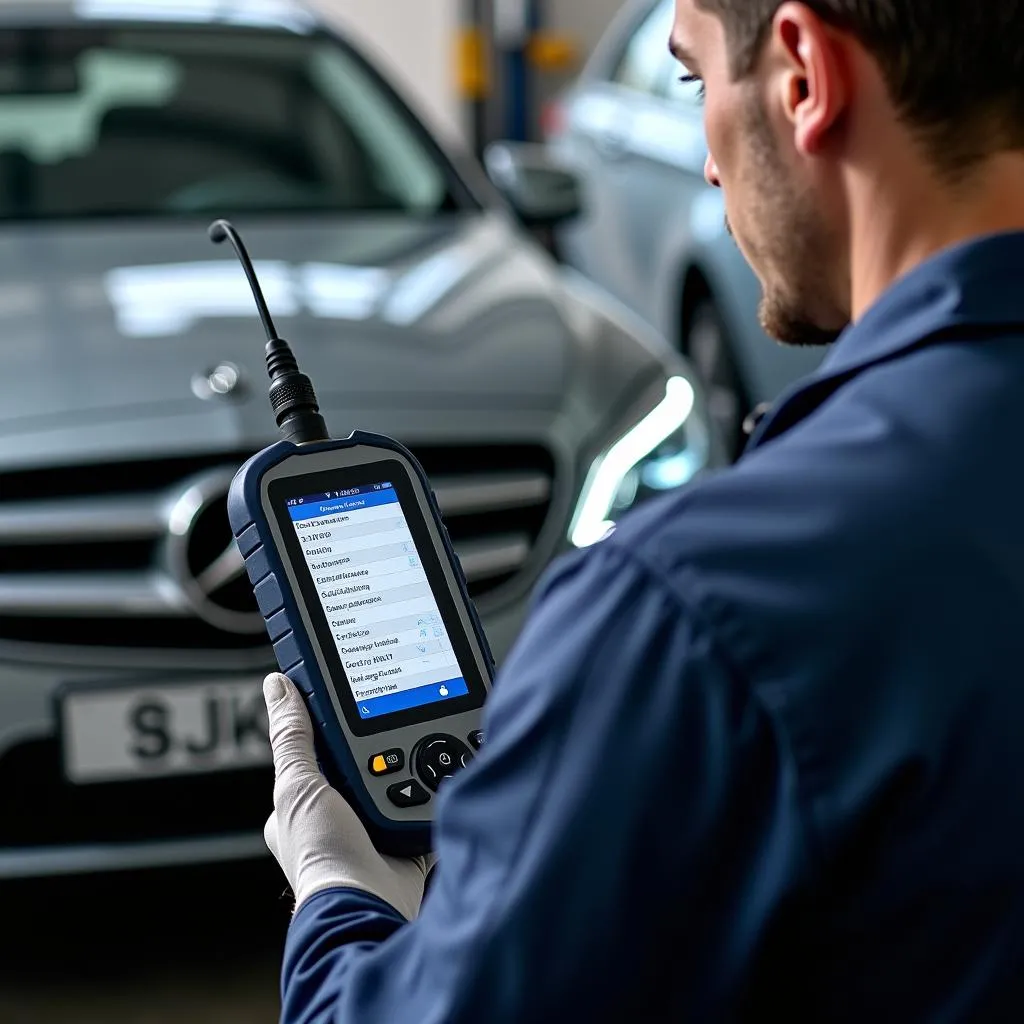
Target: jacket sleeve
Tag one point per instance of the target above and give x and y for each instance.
(632, 818)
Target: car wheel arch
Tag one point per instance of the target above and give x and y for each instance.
(695, 288)
(697, 291)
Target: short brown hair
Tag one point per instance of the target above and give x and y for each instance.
(954, 68)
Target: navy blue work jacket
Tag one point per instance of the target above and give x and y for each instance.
(759, 755)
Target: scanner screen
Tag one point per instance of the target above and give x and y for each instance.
(382, 614)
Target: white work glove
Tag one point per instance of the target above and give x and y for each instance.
(314, 834)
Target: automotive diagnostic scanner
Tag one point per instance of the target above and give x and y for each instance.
(364, 600)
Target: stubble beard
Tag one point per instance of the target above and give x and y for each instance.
(794, 245)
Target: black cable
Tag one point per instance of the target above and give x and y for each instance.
(291, 392)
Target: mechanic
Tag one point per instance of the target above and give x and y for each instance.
(759, 754)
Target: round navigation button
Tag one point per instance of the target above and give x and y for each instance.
(436, 756)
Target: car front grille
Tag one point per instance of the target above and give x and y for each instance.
(95, 555)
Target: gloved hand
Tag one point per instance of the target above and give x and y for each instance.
(314, 834)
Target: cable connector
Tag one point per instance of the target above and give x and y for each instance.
(292, 395)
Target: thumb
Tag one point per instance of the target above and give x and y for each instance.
(272, 837)
(291, 732)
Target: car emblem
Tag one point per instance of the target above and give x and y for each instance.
(202, 558)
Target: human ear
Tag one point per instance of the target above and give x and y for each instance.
(813, 85)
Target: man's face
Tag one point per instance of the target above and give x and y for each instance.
(781, 213)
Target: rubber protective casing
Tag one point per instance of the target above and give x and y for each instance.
(279, 608)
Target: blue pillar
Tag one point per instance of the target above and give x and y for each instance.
(518, 79)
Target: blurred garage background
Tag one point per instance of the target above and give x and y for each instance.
(483, 225)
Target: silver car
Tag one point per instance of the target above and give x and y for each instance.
(654, 232)
(131, 652)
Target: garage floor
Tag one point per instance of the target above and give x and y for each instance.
(196, 946)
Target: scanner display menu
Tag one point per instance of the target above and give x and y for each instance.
(374, 591)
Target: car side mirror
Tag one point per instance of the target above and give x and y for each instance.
(542, 192)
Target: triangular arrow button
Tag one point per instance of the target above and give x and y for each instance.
(408, 794)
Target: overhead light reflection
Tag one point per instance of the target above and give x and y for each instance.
(167, 299)
(338, 292)
(256, 13)
(423, 287)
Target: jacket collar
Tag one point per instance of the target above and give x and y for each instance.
(977, 284)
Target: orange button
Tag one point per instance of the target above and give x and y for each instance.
(387, 762)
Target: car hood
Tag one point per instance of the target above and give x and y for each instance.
(107, 324)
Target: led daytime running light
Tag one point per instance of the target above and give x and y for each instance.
(608, 472)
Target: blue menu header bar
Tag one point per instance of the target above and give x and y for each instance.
(315, 506)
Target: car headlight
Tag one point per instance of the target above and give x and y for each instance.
(661, 452)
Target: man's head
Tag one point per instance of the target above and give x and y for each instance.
(824, 114)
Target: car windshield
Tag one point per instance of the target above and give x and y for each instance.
(137, 122)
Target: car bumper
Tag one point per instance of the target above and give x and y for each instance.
(50, 827)
(46, 861)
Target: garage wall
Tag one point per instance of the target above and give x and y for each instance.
(414, 40)
(586, 20)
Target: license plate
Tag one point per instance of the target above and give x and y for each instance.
(162, 730)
